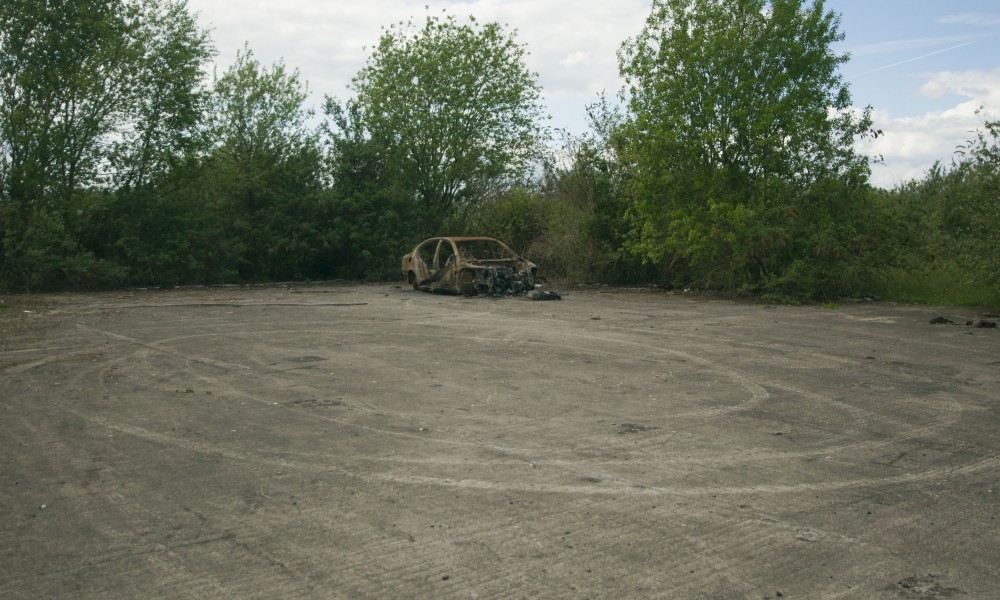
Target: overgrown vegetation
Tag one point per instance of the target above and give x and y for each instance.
(950, 226)
(727, 163)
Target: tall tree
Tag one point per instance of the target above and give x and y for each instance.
(746, 85)
(68, 71)
(95, 92)
(93, 95)
(166, 122)
(952, 221)
(375, 221)
(267, 164)
(737, 109)
(456, 107)
(259, 120)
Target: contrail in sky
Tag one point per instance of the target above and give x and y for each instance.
(909, 60)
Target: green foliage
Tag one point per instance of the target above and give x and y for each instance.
(834, 239)
(48, 258)
(258, 113)
(730, 166)
(68, 75)
(455, 111)
(92, 94)
(573, 223)
(953, 217)
(375, 220)
(966, 222)
(941, 283)
(740, 175)
(266, 168)
(519, 218)
(369, 236)
(586, 227)
(250, 208)
(170, 100)
(742, 87)
(178, 235)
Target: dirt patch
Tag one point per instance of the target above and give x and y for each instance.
(372, 441)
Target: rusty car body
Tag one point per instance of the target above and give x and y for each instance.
(471, 266)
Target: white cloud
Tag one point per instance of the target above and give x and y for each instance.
(573, 48)
(912, 144)
(572, 45)
(907, 45)
(575, 59)
(971, 19)
(976, 84)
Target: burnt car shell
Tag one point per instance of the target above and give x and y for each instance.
(471, 266)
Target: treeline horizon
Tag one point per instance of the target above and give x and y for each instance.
(727, 163)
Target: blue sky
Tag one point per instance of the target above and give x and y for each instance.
(923, 65)
(895, 45)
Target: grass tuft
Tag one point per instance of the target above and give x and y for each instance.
(937, 285)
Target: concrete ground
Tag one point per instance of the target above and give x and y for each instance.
(370, 441)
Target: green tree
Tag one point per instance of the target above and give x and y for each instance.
(952, 222)
(259, 120)
(585, 190)
(68, 71)
(374, 219)
(76, 82)
(455, 108)
(265, 172)
(736, 111)
(97, 99)
(148, 223)
(972, 216)
(166, 125)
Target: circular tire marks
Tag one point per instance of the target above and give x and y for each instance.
(487, 433)
(510, 400)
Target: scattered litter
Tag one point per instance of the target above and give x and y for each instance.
(981, 323)
(866, 298)
(978, 323)
(626, 428)
(545, 296)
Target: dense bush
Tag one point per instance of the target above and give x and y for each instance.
(748, 184)
(952, 216)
